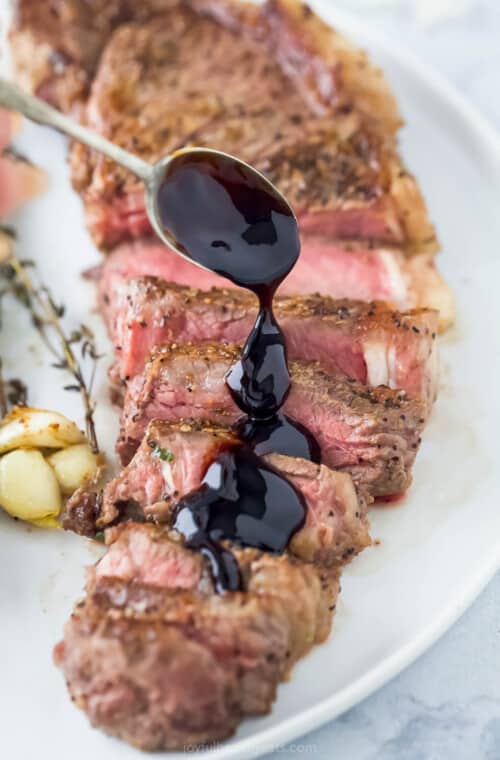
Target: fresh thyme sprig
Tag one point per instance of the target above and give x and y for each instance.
(46, 317)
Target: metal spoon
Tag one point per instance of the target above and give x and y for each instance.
(152, 175)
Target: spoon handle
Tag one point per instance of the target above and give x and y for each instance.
(35, 109)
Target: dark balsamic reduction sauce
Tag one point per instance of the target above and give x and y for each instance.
(241, 499)
(224, 216)
(279, 435)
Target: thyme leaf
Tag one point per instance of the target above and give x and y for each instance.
(164, 454)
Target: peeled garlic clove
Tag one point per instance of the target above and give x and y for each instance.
(73, 466)
(37, 428)
(28, 487)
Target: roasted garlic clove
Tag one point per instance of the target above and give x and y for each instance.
(74, 466)
(37, 428)
(28, 486)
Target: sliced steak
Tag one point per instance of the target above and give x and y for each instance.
(57, 46)
(227, 90)
(136, 492)
(172, 462)
(155, 657)
(330, 269)
(321, 124)
(373, 433)
(367, 341)
(269, 84)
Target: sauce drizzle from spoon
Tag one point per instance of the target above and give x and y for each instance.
(227, 217)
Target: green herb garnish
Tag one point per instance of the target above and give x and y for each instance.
(164, 454)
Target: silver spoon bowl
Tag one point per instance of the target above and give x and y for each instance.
(152, 175)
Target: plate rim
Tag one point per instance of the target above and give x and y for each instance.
(289, 729)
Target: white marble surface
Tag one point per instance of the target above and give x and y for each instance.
(447, 705)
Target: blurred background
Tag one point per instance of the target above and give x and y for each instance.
(459, 38)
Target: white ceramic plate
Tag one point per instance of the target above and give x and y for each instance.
(436, 552)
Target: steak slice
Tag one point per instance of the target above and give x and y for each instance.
(366, 341)
(57, 45)
(331, 269)
(372, 433)
(155, 657)
(272, 84)
(227, 89)
(172, 462)
(268, 84)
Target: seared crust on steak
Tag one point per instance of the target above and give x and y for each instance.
(336, 528)
(153, 486)
(279, 88)
(372, 433)
(339, 170)
(150, 488)
(369, 342)
(332, 269)
(57, 46)
(156, 485)
(155, 657)
(273, 85)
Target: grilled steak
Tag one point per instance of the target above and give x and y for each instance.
(273, 85)
(368, 342)
(227, 69)
(226, 90)
(57, 46)
(172, 461)
(326, 268)
(155, 657)
(372, 433)
(267, 84)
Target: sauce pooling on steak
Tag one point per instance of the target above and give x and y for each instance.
(244, 500)
(226, 217)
